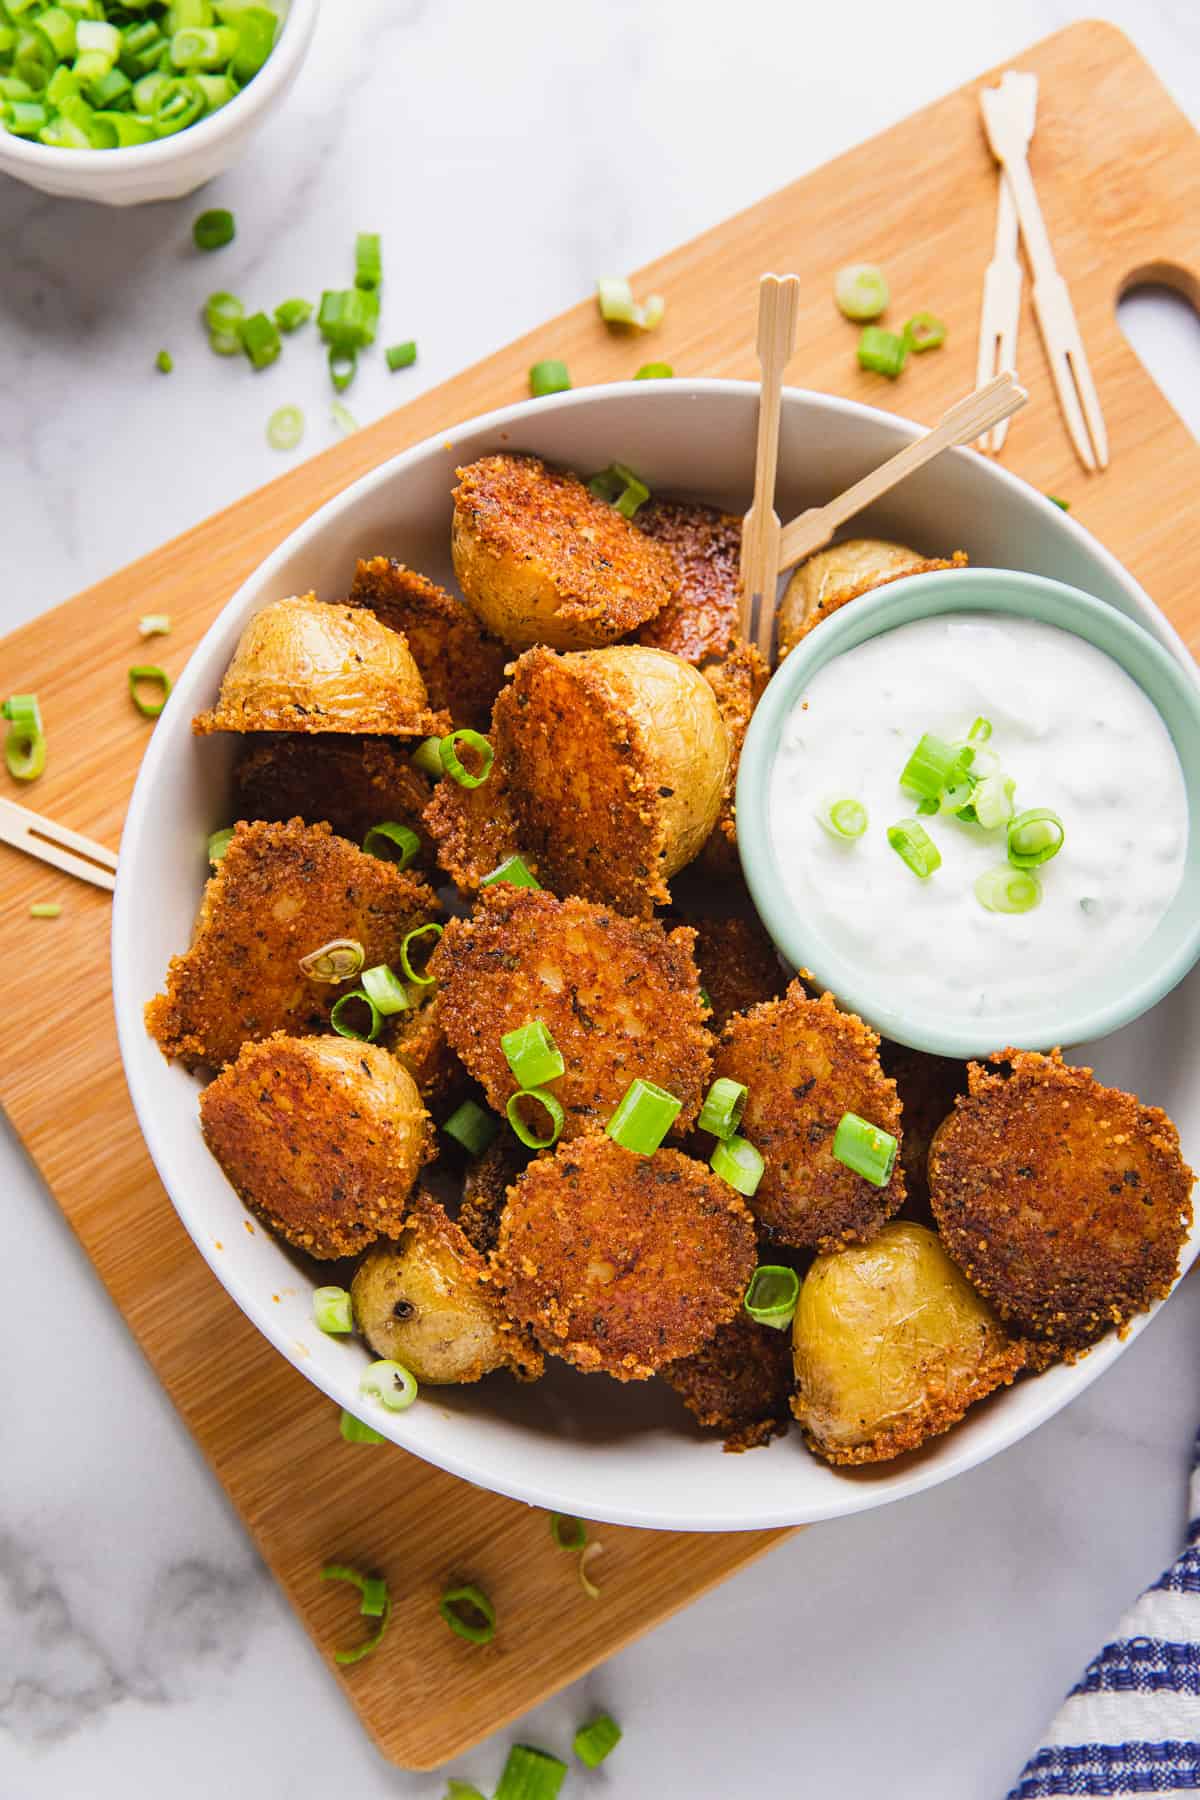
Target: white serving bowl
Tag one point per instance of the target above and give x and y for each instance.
(174, 166)
(576, 1444)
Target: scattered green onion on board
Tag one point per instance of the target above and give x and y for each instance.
(45, 909)
(164, 362)
(643, 1118)
(392, 842)
(1055, 500)
(914, 846)
(772, 1294)
(867, 1149)
(401, 356)
(532, 1139)
(342, 1017)
(587, 1555)
(154, 625)
(390, 1383)
(738, 1162)
(25, 740)
(532, 1054)
(339, 960)
(568, 1532)
(1008, 890)
(344, 419)
(343, 367)
(655, 371)
(214, 229)
(472, 1127)
(531, 1774)
(368, 261)
(260, 339)
(223, 315)
(413, 938)
(621, 488)
(548, 377)
(461, 1790)
(347, 318)
(1034, 837)
(355, 1432)
(845, 820)
(469, 1614)
(614, 296)
(219, 843)
(861, 291)
(514, 870)
(385, 992)
(924, 331)
(285, 428)
(151, 676)
(428, 758)
(596, 1740)
(290, 315)
(723, 1106)
(882, 352)
(375, 1604)
(332, 1310)
(452, 763)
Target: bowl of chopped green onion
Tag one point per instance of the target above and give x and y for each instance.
(123, 104)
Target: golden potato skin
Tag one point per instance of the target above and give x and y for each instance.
(280, 892)
(621, 1263)
(474, 829)
(428, 1301)
(739, 1383)
(805, 1064)
(1064, 1202)
(302, 665)
(620, 997)
(462, 667)
(350, 782)
(738, 682)
(891, 1347)
(616, 763)
(322, 1137)
(842, 573)
(542, 561)
(702, 619)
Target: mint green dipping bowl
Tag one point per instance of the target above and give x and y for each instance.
(1111, 996)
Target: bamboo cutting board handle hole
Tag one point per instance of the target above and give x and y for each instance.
(1158, 311)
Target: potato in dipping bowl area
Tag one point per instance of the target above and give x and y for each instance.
(482, 1025)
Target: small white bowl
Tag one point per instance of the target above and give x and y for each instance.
(173, 166)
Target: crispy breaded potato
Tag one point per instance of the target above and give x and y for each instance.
(737, 682)
(301, 665)
(737, 962)
(542, 561)
(350, 782)
(805, 1064)
(474, 829)
(322, 1137)
(417, 1040)
(623, 1263)
(1064, 1202)
(702, 619)
(485, 1189)
(842, 573)
(891, 1347)
(428, 1302)
(740, 1383)
(928, 1087)
(620, 997)
(280, 892)
(462, 667)
(616, 763)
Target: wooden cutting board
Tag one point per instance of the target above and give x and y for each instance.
(1123, 205)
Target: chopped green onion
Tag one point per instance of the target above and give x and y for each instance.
(1034, 837)
(164, 362)
(532, 1054)
(45, 909)
(927, 808)
(568, 1532)
(332, 1310)
(154, 625)
(344, 419)
(513, 870)
(588, 1554)
(1008, 890)
(844, 820)
(472, 1127)
(596, 1740)
(290, 315)
(452, 764)
(392, 842)
(867, 1149)
(914, 846)
(980, 731)
(375, 1604)
(993, 800)
(219, 843)
(223, 313)
(338, 960)
(706, 999)
(531, 1775)
(653, 312)
(152, 676)
(924, 331)
(1055, 500)
(418, 975)
(343, 367)
(428, 757)
(355, 1432)
(285, 428)
(401, 356)
(339, 1017)
(391, 1384)
(933, 767)
(368, 260)
(469, 1613)
(883, 352)
(655, 371)
(614, 296)
(643, 1118)
(737, 1161)
(771, 1297)
(958, 797)
(24, 714)
(527, 1135)
(260, 339)
(214, 229)
(386, 994)
(256, 28)
(723, 1106)
(461, 1790)
(621, 488)
(203, 47)
(861, 291)
(25, 741)
(549, 377)
(347, 318)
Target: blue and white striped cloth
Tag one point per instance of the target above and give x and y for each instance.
(1132, 1724)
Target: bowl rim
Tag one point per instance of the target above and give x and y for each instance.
(522, 1481)
(941, 592)
(294, 38)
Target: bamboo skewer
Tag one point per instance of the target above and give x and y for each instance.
(1000, 313)
(57, 845)
(778, 309)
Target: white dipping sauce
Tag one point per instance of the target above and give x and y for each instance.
(1074, 731)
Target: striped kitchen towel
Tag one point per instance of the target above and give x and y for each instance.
(1132, 1725)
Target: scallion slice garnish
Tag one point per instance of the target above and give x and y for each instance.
(772, 1295)
(531, 1775)
(643, 1118)
(285, 428)
(993, 800)
(596, 1740)
(469, 1613)
(342, 1016)
(338, 960)
(392, 842)
(390, 1383)
(386, 994)
(614, 296)
(1008, 890)
(513, 870)
(25, 740)
(214, 229)
(375, 1604)
(845, 820)
(737, 1161)
(980, 731)
(401, 356)
(223, 313)
(343, 418)
(45, 909)
(368, 260)
(164, 362)
(545, 1099)
(621, 488)
(1057, 500)
(655, 371)
(290, 315)
(1034, 837)
(347, 318)
(924, 331)
(933, 766)
(333, 1310)
(154, 625)
(260, 339)
(452, 763)
(568, 1532)
(883, 352)
(149, 675)
(914, 846)
(428, 757)
(548, 377)
(532, 1054)
(861, 291)
(355, 1432)
(418, 974)
(587, 1555)
(723, 1106)
(472, 1127)
(343, 367)
(867, 1149)
(219, 843)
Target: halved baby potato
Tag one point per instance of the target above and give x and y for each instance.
(842, 573)
(462, 667)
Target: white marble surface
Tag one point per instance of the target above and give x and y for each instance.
(509, 154)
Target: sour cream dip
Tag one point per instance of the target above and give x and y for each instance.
(1076, 734)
